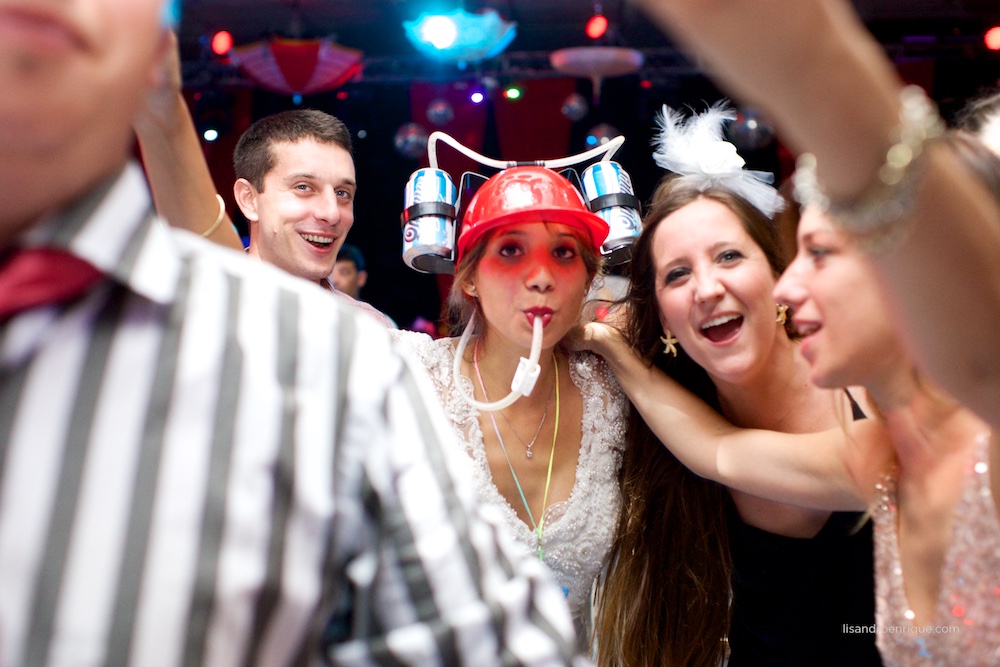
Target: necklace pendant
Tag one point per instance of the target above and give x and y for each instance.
(529, 453)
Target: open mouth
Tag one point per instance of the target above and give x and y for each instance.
(722, 328)
(805, 329)
(318, 241)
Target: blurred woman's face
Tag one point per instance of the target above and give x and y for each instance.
(848, 337)
(713, 288)
(529, 271)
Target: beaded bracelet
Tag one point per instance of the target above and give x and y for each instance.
(218, 221)
(873, 214)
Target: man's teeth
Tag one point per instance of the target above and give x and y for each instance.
(314, 238)
(722, 319)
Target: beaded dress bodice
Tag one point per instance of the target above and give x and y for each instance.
(578, 532)
(966, 625)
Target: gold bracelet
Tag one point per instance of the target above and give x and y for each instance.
(890, 196)
(218, 221)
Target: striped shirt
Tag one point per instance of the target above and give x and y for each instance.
(206, 461)
(362, 306)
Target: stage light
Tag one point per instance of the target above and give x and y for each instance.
(597, 25)
(213, 114)
(992, 38)
(461, 36)
(512, 92)
(477, 97)
(222, 43)
(439, 31)
(600, 135)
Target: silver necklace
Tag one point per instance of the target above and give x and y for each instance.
(527, 447)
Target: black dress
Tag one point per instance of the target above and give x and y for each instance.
(792, 597)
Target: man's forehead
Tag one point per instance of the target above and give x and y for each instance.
(308, 157)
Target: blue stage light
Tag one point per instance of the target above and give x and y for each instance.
(461, 36)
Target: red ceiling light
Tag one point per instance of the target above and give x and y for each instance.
(222, 43)
(992, 38)
(597, 25)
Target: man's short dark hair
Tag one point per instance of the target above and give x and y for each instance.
(253, 157)
(350, 253)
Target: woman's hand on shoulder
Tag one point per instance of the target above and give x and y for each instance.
(596, 337)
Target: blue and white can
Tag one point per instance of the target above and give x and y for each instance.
(608, 189)
(429, 221)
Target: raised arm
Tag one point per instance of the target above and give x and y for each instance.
(833, 470)
(808, 63)
(182, 186)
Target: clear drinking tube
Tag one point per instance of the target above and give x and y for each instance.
(605, 151)
(524, 378)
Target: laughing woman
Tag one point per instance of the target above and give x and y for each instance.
(701, 309)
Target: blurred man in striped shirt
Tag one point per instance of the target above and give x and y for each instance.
(204, 461)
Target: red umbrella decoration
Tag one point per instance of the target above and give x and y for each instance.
(302, 66)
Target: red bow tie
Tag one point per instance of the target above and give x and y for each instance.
(35, 277)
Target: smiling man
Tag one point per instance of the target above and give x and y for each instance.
(295, 183)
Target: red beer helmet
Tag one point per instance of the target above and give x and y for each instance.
(528, 194)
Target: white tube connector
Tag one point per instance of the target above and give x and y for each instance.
(524, 379)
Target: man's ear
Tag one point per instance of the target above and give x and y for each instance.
(246, 198)
(362, 278)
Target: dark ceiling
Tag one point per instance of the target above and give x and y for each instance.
(375, 26)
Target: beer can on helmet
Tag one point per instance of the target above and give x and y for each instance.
(429, 221)
(608, 189)
(528, 194)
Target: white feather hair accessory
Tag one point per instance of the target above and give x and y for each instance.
(696, 151)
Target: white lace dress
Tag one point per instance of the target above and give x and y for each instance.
(578, 531)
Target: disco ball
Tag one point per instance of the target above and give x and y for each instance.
(575, 107)
(440, 112)
(411, 140)
(750, 131)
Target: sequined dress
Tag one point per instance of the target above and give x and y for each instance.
(966, 626)
(578, 532)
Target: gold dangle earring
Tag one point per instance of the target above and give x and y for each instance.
(782, 314)
(669, 343)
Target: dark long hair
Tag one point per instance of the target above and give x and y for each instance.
(665, 597)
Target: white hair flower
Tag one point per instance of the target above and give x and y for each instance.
(696, 151)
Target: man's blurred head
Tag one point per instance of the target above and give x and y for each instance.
(349, 274)
(72, 75)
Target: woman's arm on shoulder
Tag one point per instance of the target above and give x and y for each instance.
(832, 470)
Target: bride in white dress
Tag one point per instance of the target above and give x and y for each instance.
(550, 460)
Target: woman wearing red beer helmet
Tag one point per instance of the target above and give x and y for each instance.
(528, 249)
